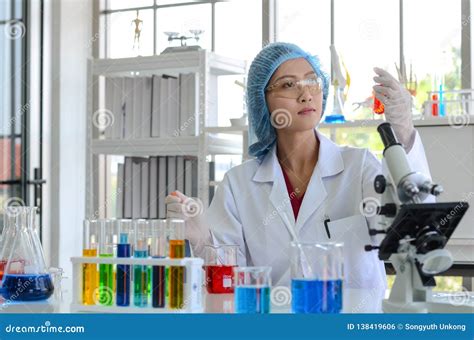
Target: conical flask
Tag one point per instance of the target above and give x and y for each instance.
(26, 277)
(6, 241)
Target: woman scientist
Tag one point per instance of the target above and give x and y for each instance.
(300, 177)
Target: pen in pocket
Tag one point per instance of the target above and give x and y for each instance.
(326, 225)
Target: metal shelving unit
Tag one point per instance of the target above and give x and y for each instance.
(208, 66)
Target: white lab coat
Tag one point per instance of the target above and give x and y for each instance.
(248, 204)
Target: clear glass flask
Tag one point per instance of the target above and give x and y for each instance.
(6, 241)
(26, 277)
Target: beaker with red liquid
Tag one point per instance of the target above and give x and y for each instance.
(219, 264)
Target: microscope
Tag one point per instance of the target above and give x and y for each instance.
(415, 232)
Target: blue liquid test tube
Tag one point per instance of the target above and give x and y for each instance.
(140, 272)
(123, 271)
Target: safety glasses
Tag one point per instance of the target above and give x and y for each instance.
(292, 89)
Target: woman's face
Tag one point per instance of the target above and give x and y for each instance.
(301, 110)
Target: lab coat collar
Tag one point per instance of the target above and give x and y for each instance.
(330, 161)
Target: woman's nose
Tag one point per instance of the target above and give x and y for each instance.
(305, 96)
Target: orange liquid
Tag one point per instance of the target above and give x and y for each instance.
(177, 275)
(176, 249)
(90, 278)
(379, 108)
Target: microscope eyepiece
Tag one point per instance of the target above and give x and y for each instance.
(387, 135)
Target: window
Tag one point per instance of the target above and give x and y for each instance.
(12, 29)
(366, 35)
(20, 114)
(432, 55)
(306, 23)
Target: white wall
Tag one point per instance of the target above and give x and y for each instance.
(67, 39)
(450, 153)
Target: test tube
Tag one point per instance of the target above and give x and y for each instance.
(106, 271)
(158, 250)
(140, 272)
(125, 231)
(90, 278)
(252, 290)
(176, 245)
(316, 277)
(379, 108)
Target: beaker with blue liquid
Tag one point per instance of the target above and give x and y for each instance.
(316, 277)
(25, 276)
(252, 290)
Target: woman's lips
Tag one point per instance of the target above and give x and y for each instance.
(306, 111)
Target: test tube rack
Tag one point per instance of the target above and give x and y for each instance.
(192, 285)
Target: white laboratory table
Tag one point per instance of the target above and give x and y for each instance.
(354, 301)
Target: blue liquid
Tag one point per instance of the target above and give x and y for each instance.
(140, 281)
(316, 296)
(123, 277)
(27, 287)
(251, 300)
(334, 119)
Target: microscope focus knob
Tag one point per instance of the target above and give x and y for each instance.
(389, 210)
(380, 184)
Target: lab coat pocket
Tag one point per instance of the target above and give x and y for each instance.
(362, 269)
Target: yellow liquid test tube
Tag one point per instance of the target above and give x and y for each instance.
(176, 246)
(90, 275)
(176, 275)
(90, 280)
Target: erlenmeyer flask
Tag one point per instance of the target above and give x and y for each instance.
(26, 277)
(8, 236)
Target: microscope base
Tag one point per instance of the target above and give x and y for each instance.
(393, 307)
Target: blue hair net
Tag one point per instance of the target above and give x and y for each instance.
(262, 134)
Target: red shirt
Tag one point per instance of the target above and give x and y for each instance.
(294, 200)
